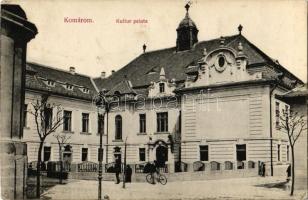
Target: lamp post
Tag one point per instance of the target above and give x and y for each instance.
(102, 108)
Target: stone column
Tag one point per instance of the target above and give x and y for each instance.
(16, 31)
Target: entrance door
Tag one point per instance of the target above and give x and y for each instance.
(161, 155)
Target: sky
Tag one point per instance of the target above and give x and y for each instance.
(277, 27)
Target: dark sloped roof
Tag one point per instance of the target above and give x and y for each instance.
(146, 67)
(37, 73)
(123, 87)
(301, 91)
(187, 22)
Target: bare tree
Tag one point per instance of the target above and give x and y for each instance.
(293, 124)
(48, 117)
(62, 139)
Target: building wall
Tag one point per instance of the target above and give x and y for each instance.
(130, 128)
(78, 140)
(222, 118)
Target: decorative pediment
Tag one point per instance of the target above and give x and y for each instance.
(223, 65)
(162, 87)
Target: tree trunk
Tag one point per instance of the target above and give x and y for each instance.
(38, 170)
(293, 174)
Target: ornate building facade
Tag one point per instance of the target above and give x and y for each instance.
(210, 104)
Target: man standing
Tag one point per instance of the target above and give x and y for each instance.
(117, 168)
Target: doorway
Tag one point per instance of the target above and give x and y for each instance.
(161, 155)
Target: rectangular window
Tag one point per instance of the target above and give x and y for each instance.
(84, 154)
(141, 154)
(85, 122)
(100, 124)
(48, 117)
(277, 114)
(240, 152)
(67, 120)
(162, 122)
(25, 115)
(204, 153)
(100, 154)
(47, 153)
(161, 87)
(288, 150)
(142, 123)
(278, 152)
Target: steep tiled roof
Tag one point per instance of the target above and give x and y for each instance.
(301, 91)
(38, 74)
(124, 87)
(145, 68)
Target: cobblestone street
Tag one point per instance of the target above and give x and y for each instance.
(251, 188)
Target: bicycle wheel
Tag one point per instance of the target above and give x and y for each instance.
(149, 178)
(162, 179)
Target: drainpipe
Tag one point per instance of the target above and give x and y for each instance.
(271, 126)
(280, 76)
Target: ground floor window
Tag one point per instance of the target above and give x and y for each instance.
(204, 153)
(141, 154)
(240, 152)
(278, 152)
(47, 153)
(84, 154)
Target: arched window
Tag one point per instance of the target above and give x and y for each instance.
(118, 127)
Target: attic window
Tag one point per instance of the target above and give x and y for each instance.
(69, 87)
(161, 87)
(50, 83)
(85, 90)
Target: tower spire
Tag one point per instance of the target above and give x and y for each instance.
(187, 6)
(187, 32)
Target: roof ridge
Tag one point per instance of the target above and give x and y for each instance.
(55, 68)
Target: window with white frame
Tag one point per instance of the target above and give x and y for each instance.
(162, 122)
(118, 127)
(204, 152)
(161, 87)
(277, 114)
(67, 120)
(142, 123)
(85, 122)
(141, 154)
(240, 152)
(84, 154)
(278, 152)
(47, 153)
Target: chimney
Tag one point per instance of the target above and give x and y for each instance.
(112, 72)
(144, 48)
(72, 70)
(103, 75)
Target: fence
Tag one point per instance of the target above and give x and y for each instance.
(87, 167)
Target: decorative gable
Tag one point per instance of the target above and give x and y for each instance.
(162, 87)
(222, 65)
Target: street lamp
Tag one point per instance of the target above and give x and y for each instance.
(102, 107)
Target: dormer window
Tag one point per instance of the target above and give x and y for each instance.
(84, 90)
(69, 87)
(161, 87)
(50, 83)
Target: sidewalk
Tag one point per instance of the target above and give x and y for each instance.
(244, 188)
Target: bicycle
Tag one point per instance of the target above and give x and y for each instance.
(162, 179)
